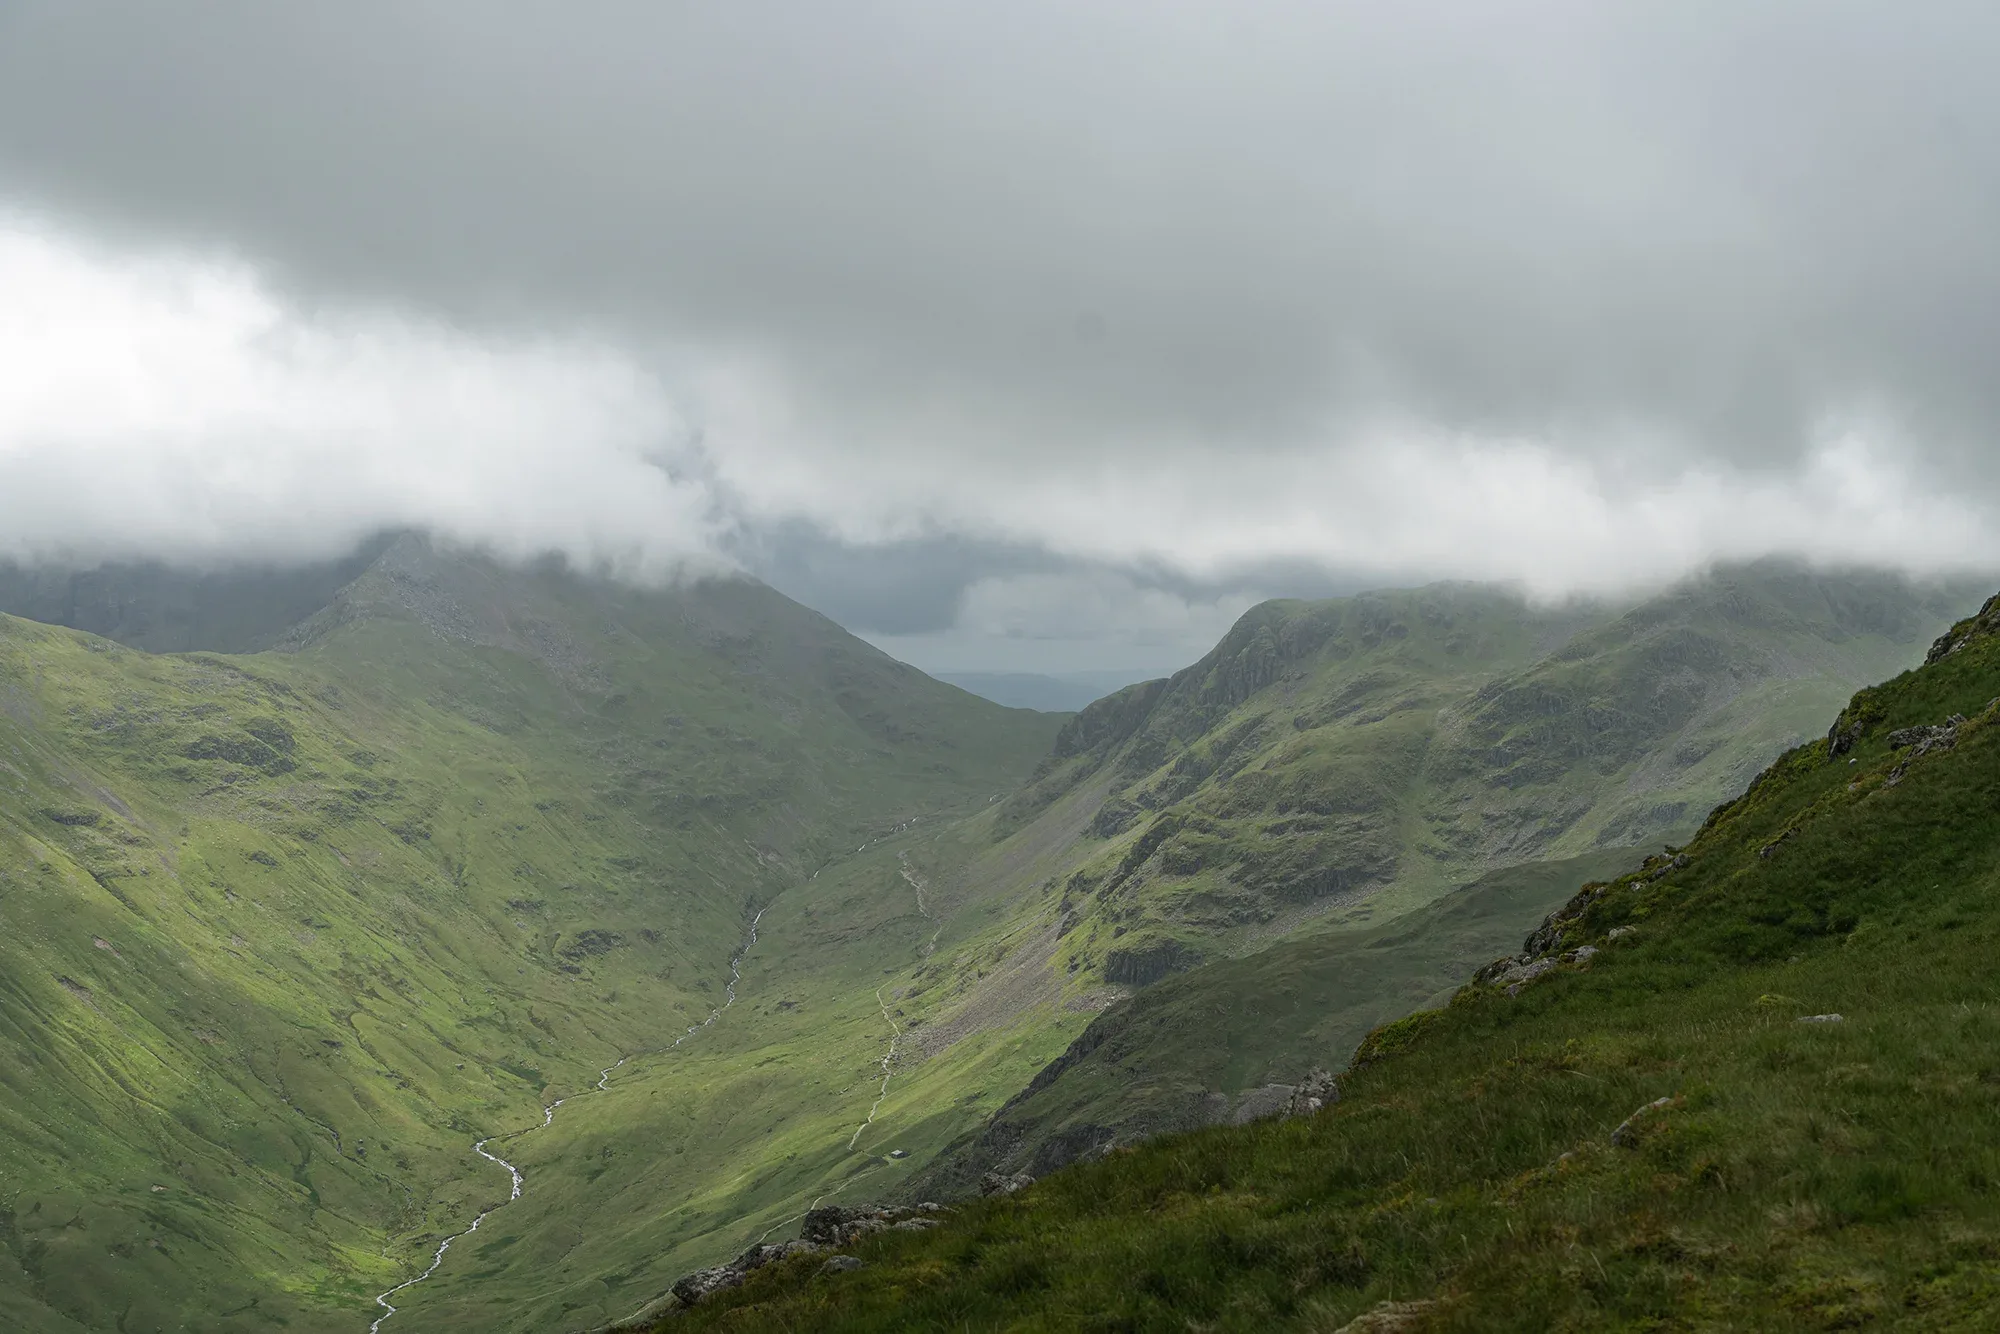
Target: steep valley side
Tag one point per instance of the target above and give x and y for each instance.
(285, 933)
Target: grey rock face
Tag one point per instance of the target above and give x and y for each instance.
(1956, 638)
(996, 1183)
(831, 1225)
(691, 1289)
(838, 1225)
(1922, 741)
(1523, 973)
(1319, 1090)
(1144, 964)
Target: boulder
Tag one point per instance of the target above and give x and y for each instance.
(1523, 973)
(1317, 1091)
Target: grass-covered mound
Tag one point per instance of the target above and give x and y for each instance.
(1485, 1168)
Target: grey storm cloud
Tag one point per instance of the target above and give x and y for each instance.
(1209, 220)
(1138, 284)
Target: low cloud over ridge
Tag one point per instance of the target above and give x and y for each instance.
(1177, 293)
(169, 406)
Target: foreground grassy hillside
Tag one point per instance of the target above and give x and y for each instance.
(1672, 1132)
(284, 933)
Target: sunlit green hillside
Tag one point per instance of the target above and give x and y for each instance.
(280, 935)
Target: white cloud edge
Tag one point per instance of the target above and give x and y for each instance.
(174, 405)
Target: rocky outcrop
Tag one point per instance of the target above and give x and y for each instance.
(1319, 1090)
(1270, 1102)
(1004, 1183)
(1922, 741)
(824, 1229)
(1985, 622)
(1143, 964)
(1543, 951)
(1110, 720)
(839, 1225)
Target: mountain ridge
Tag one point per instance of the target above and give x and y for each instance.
(529, 816)
(1747, 1085)
(1328, 751)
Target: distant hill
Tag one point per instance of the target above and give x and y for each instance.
(1748, 1085)
(1367, 753)
(1063, 692)
(161, 608)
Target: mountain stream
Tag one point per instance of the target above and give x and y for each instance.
(548, 1118)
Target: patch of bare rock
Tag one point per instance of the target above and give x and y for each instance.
(823, 1231)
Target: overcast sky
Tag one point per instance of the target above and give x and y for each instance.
(1010, 332)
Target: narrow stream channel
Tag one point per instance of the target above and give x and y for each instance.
(548, 1118)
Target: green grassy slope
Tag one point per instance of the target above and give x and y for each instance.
(283, 934)
(1489, 1165)
(1370, 752)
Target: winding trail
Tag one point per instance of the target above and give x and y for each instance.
(888, 1062)
(602, 1085)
